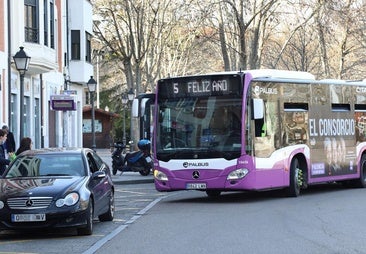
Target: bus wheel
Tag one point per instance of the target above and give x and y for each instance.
(213, 193)
(296, 179)
(361, 182)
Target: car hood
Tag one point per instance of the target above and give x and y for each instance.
(39, 186)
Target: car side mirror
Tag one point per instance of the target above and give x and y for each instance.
(98, 175)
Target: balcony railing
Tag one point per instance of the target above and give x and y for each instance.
(31, 35)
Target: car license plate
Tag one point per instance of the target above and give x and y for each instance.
(28, 217)
(196, 186)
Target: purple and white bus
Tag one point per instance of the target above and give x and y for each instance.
(258, 130)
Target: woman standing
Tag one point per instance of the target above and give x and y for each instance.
(25, 144)
(3, 161)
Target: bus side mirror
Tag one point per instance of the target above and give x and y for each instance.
(161, 115)
(135, 108)
(257, 109)
(144, 102)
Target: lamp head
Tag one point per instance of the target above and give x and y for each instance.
(92, 85)
(124, 99)
(21, 60)
(131, 95)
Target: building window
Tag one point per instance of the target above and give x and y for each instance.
(13, 114)
(45, 24)
(37, 123)
(31, 21)
(52, 24)
(75, 44)
(49, 23)
(88, 47)
(87, 97)
(27, 116)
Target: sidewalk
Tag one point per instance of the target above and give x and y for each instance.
(126, 177)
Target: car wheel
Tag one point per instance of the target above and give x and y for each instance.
(88, 229)
(109, 215)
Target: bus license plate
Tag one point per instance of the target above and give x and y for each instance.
(28, 217)
(196, 186)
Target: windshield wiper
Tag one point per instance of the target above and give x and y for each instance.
(174, 154)
(191, 153)
(56, 175)
(227, 155)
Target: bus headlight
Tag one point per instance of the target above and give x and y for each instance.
(160, 175)
(238, 174)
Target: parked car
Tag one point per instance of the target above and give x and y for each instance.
(56, 188)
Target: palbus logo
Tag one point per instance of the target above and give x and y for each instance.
(195, 164)
(266, 90)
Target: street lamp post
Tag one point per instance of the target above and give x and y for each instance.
(92, 85)
(131, 96)
(124, 103)
(21, 60)
(126, 98)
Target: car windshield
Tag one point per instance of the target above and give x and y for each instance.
(47, 165)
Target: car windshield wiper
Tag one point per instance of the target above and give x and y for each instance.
(56, 175)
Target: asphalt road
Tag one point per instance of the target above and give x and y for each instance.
(323, 220)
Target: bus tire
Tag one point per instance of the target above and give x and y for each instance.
(361, 182)
(213, 193)
(295, 178)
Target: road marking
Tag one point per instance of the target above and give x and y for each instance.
(118, 230)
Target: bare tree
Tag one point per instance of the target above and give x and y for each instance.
(347, 16)
(128, 30)
(145, 40)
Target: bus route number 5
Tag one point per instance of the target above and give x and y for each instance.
(176, 89)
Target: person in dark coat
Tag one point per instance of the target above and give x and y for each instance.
(10, 141)
(3, 161)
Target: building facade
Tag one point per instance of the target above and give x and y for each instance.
(56, 34)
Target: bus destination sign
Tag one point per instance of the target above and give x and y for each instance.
(199, 86)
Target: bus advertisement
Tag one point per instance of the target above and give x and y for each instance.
(258, 130)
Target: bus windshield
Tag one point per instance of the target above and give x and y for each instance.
(199, 127)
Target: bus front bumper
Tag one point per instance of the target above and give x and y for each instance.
(230, 179)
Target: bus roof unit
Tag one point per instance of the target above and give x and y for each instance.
(280, 74)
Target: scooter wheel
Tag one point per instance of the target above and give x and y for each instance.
(145, 172)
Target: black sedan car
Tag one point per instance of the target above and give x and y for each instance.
(56, 188)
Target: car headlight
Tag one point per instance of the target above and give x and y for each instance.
(160, 175)
(69, 200)
(237, 174)
(1, 204)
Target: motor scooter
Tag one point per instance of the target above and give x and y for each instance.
(137, 161)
